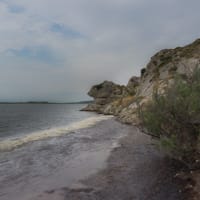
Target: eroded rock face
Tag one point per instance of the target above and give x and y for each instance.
(160, 73)
(104, 94)
(157, 76)
(106, 90)
(132, 85)
(166, 64)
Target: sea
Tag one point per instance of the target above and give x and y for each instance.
(44, 147)
(24, 123)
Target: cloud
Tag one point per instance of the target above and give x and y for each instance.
(55, 50)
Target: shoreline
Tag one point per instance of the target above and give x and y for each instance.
(141, 173)
(9, 144)
(135, 169)
(44, 166)
(109, 160)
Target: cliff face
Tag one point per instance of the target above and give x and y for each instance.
(159, 73)
(104, 94)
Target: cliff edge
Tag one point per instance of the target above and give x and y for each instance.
(160, 72)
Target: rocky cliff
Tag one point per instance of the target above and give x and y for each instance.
(104, 94)
(110, 98)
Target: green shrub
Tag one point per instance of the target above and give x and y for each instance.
(175, 117)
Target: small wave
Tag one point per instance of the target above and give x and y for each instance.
(11, 144)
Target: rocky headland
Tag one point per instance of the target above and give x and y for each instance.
(160, 73)
(122, 101)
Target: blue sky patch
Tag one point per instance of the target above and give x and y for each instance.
(65, 31)
(38, 53)
(16, 9)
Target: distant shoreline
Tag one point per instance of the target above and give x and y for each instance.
(38, 102)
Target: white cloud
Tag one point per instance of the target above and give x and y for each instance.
(117, 38)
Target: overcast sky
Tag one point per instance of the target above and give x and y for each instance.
(54, 50)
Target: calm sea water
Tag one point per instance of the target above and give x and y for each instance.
(22, 119)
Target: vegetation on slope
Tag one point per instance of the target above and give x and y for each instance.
(175, 118)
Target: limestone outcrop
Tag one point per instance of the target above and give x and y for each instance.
(132, 85)
(160, 72)
(104, 94)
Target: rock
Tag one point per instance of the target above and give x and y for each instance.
(92, 107)
(133, 83)
(160, 72)
(104, 94)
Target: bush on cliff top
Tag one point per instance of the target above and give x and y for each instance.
(175, 118)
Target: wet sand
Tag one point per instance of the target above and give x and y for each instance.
(36, 169)
(135, 170)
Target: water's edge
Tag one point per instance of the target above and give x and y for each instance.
(44, 165)
(12, 143)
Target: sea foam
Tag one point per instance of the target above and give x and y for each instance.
(10, 144)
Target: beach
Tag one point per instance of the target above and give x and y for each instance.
(135, 170)
(107, 160)
(37, 167)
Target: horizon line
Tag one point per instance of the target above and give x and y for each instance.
(43, 102)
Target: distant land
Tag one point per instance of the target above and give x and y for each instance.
(46, 102)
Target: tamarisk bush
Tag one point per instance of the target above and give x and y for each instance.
(174, 118)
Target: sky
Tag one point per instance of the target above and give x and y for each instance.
(55, 50)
